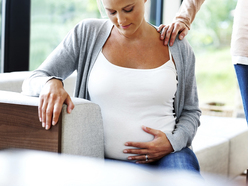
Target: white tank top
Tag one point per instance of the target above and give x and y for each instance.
(130, 98)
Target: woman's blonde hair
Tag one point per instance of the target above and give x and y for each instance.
(101, 9)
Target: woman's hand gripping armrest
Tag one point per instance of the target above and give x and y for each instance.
(52, 98)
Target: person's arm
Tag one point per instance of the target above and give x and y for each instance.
(59, 64)
(187, 11)
(46, 81)
(182, 22)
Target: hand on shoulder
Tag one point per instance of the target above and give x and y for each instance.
(169, 32)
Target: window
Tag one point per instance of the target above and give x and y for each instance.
(210, 37)
(51, 20)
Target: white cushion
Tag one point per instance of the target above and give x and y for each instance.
(232, 129)
(212, 154)
(13, 81)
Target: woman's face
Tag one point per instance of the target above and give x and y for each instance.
(126, 15)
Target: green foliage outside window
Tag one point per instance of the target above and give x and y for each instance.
(212, 27)
(210, 37)
(51, 20)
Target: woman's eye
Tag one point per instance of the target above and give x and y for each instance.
(129, 10)
(112, 13)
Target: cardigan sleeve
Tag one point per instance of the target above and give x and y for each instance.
(188, 10)
(186, 101)
(59, 64)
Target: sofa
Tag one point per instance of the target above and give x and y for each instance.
(221, 144)
(82, 130)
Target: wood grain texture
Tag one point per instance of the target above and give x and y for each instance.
(20, 128)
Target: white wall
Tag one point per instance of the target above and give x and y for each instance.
(147, 9)
(170, 9)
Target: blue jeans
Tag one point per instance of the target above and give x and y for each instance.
(242, 76)
(184, 160)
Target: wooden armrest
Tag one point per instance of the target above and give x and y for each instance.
(20, 128)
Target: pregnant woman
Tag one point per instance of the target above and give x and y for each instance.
(146, 91)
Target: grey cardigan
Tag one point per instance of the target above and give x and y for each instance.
(79, 50)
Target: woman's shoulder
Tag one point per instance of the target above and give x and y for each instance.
(182, 48)
(90, 28)
(183, 55)
(93, 23)
(181, 43)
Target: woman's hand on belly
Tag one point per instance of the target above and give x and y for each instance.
(155, 149)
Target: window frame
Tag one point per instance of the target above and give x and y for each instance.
(15, 35)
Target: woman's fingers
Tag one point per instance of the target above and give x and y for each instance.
(142, 159)
(51, 110)
(170, 32)
(152, 131)
(49, 115)
(155, 149)
(56, 112)
(40, 109)
(183, 33)
(136, 151)
(70, 104)
(43, 108)
(179, 28)
(146, 157)
(47, 108)
(160, 27)
(140, 145)
(52, 98)
(58, 107)
(165, 31)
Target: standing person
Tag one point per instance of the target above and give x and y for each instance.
(239, 50)
(239, 41)
(147, 91)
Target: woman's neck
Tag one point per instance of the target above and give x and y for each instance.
(144, 32)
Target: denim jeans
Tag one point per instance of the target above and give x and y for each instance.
(184, 160)
(242, 76)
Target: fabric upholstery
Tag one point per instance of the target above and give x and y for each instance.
(82, 132)
(13, 81)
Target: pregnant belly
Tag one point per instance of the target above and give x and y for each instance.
(117, 135)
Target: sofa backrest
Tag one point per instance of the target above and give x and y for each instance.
(13, 81)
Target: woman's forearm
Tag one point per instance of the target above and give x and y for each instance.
(33, 85)
(188, 10)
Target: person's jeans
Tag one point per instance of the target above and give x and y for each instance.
(184, 160)
(242, 76)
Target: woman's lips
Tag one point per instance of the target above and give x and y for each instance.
(126, 26)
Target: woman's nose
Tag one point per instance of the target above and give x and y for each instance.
(121, 19)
